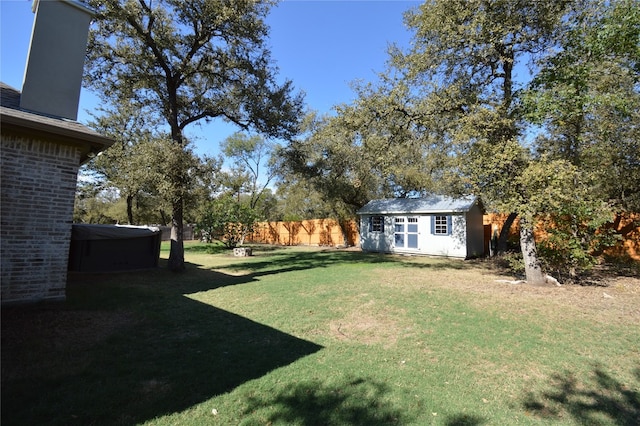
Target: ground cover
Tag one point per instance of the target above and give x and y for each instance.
(314, 336)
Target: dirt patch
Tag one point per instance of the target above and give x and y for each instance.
(368, 325)
(615, 298)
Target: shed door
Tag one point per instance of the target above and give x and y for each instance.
(412, 232)
(406, 232)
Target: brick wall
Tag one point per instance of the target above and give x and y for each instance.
(38, 187)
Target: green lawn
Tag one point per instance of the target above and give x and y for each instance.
(323, 337)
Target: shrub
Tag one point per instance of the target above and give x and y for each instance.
(226, 220)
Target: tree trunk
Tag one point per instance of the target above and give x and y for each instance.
(532, 268)
(130, 209)
(163, 217)
(176, 253)
(504, 233)
(345, 234)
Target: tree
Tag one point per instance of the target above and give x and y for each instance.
(94, 204)
(586, 102)
(463, 61)
(226, 220)
(298, 200)
(126, 166)
(333, 160)
(136, 166)
(251, 157)
(187, 61)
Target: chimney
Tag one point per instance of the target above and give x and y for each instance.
(55, 63)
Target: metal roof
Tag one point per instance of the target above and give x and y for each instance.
(431, 204)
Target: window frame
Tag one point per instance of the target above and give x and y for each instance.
(441, 225)
(376, 227)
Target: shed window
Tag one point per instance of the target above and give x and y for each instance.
(376, 224)
(441, 225)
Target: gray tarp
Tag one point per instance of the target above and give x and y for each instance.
(110, 232)
(108, 248)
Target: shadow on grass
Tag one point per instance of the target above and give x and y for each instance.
(126, 348)
(357, 401)
(352, 401)
(603, 399)
(207, 248)
(290, 260)
(465, 420)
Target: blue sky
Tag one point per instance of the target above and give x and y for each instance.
(322, 46)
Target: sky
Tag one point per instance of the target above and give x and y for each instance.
(321, 45)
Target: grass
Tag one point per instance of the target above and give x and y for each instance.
(323, 337)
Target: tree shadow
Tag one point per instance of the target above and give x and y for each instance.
(354, 401)
(589, 403)
(290, 261)
(127, 348)
(287, 260)
(465, 420)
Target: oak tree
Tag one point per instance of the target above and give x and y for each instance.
(187, 61)
(464, 61)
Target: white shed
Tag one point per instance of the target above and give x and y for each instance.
(435, 225)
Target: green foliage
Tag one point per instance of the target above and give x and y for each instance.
(298, 200)
(183, 62)
(130, 179)
(586, 100)
(129, 167)
(189, 61)
(586, 103)
(226, 220)
(371, 149)
(253, 160)
(94, 204)
(576, 232)
(512, 262)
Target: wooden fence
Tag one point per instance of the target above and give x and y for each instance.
(327, 232)
(624, 225)
(313, 232)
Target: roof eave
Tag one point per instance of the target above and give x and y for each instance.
(415, 212)
(17, 122)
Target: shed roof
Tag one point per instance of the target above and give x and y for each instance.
(431, 204)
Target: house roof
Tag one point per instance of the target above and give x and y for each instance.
(13, 118)
(431, 204)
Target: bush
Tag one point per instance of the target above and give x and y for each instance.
(574, 236)
(226, 220)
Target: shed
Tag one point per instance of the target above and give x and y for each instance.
(435, 225)
(109, 248)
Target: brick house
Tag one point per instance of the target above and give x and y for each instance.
(42, 147)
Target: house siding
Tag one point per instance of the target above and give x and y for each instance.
(447, 226)
(452, 245)
(376, 241)
(38, 188)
